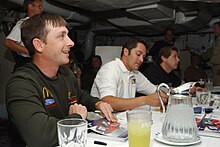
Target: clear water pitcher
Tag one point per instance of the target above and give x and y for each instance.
(179, 124)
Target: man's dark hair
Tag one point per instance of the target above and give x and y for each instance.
(37, 27)
(98, 57)
(166, 52)
(132, 43)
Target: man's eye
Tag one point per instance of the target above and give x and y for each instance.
(138, 54)
(61, 36)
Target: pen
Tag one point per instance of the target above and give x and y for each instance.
(201, 125)
(100, 143)
(100, 112)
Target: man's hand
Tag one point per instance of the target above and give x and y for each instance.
(106, 109)
(164, 97)
(154, 99)
(79, 109)
(194, 89)
(77, 71)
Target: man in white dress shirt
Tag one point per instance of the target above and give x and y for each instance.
(118, 81)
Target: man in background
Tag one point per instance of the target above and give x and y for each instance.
(215, 58)
(13, 40)
(89, 73)
(167, 41)
(162, 71)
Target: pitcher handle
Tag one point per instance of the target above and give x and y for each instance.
(158, 94)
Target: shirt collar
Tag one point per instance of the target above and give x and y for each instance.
(123, 68)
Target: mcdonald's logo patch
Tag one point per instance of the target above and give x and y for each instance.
(48, 97)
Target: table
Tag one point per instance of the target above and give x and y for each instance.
(157, 124)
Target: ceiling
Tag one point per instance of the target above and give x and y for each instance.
(121, 18)
(131, 17)
(144, 17)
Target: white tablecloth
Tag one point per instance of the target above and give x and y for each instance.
(157, 124)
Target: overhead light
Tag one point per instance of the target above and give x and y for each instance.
(180, 18)
(154, 12)
(126, 22)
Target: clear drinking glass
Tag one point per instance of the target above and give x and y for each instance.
(139, 127)
(203, 97)
(179, 124)
(72, 132)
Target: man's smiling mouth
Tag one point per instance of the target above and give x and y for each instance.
(65, 52)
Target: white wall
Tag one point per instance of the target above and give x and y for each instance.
(108, 53)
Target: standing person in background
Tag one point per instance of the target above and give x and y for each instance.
(13, 40)
(118, 81)
(89, 73)
(43, 91)
(162, 71)
(167, 41)
(215, 58)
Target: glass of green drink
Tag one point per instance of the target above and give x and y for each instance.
(139, 127)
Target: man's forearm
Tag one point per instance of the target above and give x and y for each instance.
(12, 45)
(123, 104)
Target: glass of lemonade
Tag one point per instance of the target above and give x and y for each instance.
(139, 127)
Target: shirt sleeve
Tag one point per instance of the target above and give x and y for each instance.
(106, 82)
(15, 33)
(82, 96)
(87, 100)
(144, 86)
